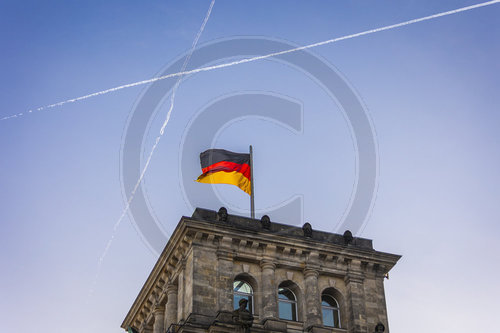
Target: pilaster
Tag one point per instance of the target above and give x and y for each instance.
(171, 306)
(356, 303)
(180, 296)
(159, 323)
(224, 280)
(269, 289)
(312, 298)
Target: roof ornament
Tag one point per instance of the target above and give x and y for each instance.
(265, 222)
(348, 237)
(307, 230)
(222, 214)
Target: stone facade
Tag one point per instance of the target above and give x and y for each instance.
(191, 286)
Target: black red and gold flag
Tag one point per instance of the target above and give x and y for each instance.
(220, 166)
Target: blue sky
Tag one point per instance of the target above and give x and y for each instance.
(430, 90)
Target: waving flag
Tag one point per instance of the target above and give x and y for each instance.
(220, 166)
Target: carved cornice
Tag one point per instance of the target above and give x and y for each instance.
(165, 269)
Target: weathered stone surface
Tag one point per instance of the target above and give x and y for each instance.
(275, 325)
(191, 286)
(313, 298)
(171, 306)
(159, 322)
(269, 294)
(318, 329)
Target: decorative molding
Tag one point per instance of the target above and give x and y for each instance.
(267, 264)
(265, 248)
(270, 249)
(171, 289)
(210, 238)
(310, 272)
(353, 278)
(223, 254)
(158, 309)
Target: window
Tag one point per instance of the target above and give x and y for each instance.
(242, 290)
(287, 304)
(330, 309)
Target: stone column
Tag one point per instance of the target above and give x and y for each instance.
(312, 298)
(382, 307)
(180, 297)
(356, 312)
(269, 290)
(224, 280)
(171, 306)
(158, 325)
(270, 298)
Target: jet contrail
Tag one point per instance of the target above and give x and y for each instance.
(162, 131)
(209, 68)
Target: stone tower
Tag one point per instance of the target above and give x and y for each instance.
(283, 278)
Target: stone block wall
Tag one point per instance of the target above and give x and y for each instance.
(191, 286)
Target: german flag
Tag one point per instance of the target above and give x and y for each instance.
(220, 166)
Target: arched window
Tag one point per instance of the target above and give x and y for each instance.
(287, 304)
(330, 309)
(242, 290)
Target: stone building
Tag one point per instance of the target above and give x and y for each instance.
(293, 280)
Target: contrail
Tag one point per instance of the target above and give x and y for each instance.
(209, 68)
(162, 131)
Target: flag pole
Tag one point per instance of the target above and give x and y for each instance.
(252, 204)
